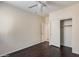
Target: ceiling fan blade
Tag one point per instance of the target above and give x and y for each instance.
(50, 3)
(33, 6)
(42, 3)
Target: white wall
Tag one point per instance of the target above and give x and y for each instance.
(18, 29)
(56, 16)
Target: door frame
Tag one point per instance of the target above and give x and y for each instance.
(60, 28)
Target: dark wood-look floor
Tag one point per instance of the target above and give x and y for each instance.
(44, 50)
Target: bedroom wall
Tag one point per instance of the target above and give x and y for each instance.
(18, 29)
(66, 13)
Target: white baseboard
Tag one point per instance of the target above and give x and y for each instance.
(75, 52)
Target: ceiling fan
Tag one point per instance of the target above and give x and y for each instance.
(39, 2)
(44, 5)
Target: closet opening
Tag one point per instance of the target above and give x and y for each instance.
(66, 33)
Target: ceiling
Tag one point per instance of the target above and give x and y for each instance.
(51, 6)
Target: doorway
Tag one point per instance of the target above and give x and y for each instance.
(66, 33)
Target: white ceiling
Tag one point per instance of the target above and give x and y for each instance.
(51, 5)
